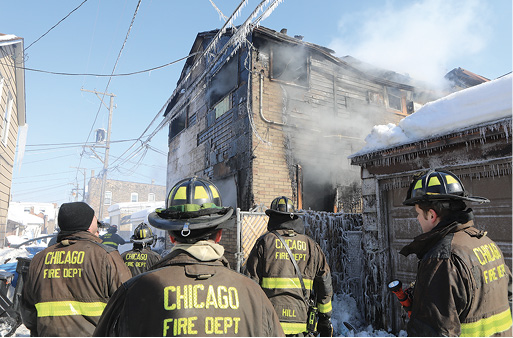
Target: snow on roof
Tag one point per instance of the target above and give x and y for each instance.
(487, 102)
(7, 37)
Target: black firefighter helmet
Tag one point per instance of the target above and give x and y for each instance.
(193, 209)
(143, 235)
(282, 206)
(438, 185)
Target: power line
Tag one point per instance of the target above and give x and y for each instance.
(106, 75)
(83, 2)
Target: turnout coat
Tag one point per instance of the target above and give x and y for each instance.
(68, 285)
(190, 292)
(463, 284)
(270, 266)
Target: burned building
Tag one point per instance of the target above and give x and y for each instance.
(264, 114)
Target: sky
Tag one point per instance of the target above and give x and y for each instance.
(67, 41)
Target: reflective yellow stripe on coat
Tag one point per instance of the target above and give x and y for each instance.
(285, 283)
(324, 308)
(293, 328)
(69, 308)
(487, 326)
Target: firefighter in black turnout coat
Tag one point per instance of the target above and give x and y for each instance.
(141, 257)
(270, 265)
(191, 291)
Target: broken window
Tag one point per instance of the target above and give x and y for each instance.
(394, 98)
(223, 82)
(178, 124)
(289, 64)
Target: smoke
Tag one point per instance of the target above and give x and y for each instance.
(421, 38)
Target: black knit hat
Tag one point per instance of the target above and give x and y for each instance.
(75, 216)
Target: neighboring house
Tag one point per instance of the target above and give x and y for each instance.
(47, 213)
(121, 192)
(470, 136)
(278, 116)
(120, 214)
(460, 78)
(12, 116)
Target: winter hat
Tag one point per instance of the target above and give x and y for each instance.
(75, 216)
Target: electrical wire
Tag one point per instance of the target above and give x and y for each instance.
(83, 2)
(106, 75)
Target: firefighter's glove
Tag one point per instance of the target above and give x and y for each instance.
(324, 326)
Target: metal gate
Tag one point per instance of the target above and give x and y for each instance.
(250, 226)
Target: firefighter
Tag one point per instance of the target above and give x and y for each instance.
(141, 257)
(191, 291)
(463, 284)
(111, 238)
(270, 265)
(69, 283)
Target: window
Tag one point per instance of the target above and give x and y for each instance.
(7, 120)
(108, 198)
(223, 106)
(289, 64)
(151, 197)
(178, 124)
(223, 82)
(394, 98)
(134, 197)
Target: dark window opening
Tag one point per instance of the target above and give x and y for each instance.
(223, 82)
(289, 64)
(177, 125)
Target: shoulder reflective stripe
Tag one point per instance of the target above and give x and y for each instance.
(487, 326)
(324, 308)
(292, 328)
(110, 243)
(285, 283)
(69, 308)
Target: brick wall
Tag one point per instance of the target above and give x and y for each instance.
(121, 192)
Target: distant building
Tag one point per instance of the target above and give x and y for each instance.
(122, 192)
(47, 213)
(12, 116)
(460, 78)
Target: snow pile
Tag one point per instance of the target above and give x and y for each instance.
(487, 102)
(8, 255)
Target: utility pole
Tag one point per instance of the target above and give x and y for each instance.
(107, 147)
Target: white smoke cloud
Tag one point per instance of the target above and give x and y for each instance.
(421, 38)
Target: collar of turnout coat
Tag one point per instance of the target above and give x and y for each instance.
(422, 243)
(77, 235)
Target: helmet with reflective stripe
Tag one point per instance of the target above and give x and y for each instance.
(192, 204)
(438, 185)
(143, 235)
(282, 205)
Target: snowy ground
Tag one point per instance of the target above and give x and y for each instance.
(344, 308)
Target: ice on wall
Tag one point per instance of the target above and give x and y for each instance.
(487, 102)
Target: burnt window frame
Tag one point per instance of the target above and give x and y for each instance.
(179, 123)
(397, 94)
(214, 99)
(305, 83)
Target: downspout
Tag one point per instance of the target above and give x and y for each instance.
(261, 101)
